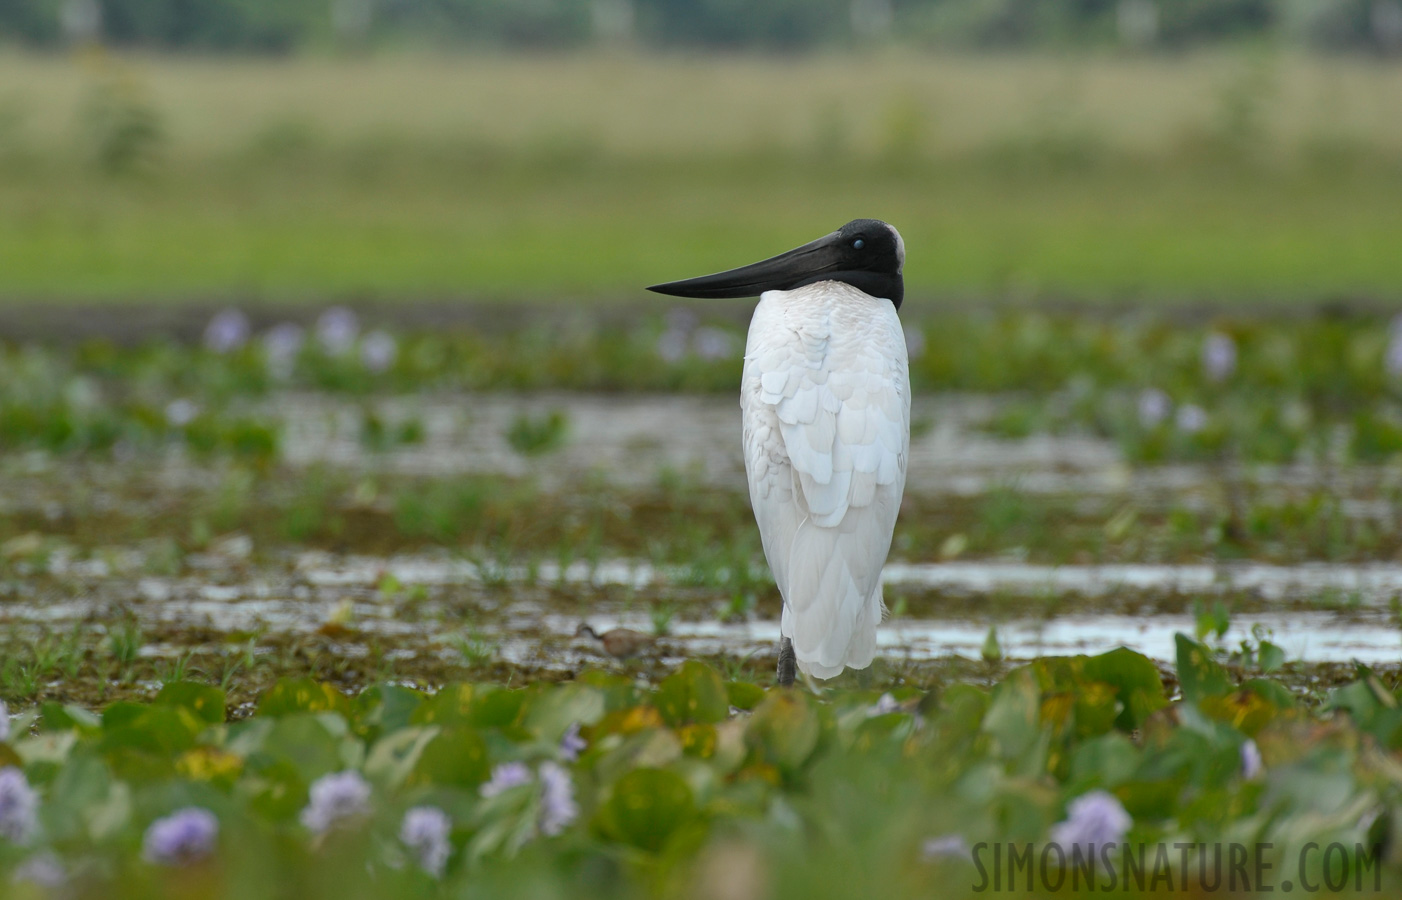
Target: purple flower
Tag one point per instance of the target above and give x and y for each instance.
(557, 806)
(1092, 820)
(713, 343)
(671, 347)
(949, 846)
(42, 870)
(185, 836)
(335, 799)
(336, 330)
(18, 806)
(682, 320)
(505, 777)
(1392, 359)
(4, 722)
(1154, 407)
(281, 345)
(181, 412)
(571, 745)
(378, 351)
(886, 704)
(1251, 763)
(1191, 418)
(1218, 356)
(425, 832)
(228, 330)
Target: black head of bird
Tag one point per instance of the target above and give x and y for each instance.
(868, 254)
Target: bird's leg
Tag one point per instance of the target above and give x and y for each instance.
(788, 663)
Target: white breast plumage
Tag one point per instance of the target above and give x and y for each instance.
(826, 402)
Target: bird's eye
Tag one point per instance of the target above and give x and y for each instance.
(858, 244)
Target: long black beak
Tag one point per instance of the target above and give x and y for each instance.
(802, 265)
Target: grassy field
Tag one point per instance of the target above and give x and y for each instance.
(1105, 178)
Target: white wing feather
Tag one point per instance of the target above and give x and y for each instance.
(826, 403)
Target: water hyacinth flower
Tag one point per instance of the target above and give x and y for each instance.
(571, 745)
(1154, 407)
(671, 346)
(336, 330)
(884, 705)
(505, 777)
(1251, 762)
(1191, 418)
(1092, 820)
(1392, 358)
(557, 806)
(227, 331)
(713, 343)
(378, 351)
(19, 806)
(42, 870)
(336, 799)
(185, 836)
(181, 412)
(1219, 356)
(425, 832)
(281, 345)
(682, 320)
(949, 846)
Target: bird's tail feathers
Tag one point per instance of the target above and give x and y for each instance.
(831, 611)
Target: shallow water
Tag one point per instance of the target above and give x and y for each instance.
(530, 625)
(231, 592)
(1372, 584)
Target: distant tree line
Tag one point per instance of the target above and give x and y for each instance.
(284, 26)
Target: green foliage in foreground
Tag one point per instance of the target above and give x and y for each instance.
(700, 783)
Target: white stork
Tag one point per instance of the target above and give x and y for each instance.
(826, 401)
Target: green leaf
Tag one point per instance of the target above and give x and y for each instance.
(161, 730)
(743, 694)
(1278, 694)
(1136, 681)
(1271, 656)
(550, 712)
(302, 695)
(1212, 621)
(205, 701)
(452, 703)
(457, 755)
(83, 781)
(274, 787)
(119, 714)
(1103, 762)
(63, 717)
(992, 651)
(693, 693)
(619, 692)
(497, 709)
(394, 756)
(384, 708)
(304, 742)
(1199, 675)
(1014, 716)
(646, 807)
(784, 730)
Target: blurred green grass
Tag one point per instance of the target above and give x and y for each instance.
(584, 177)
